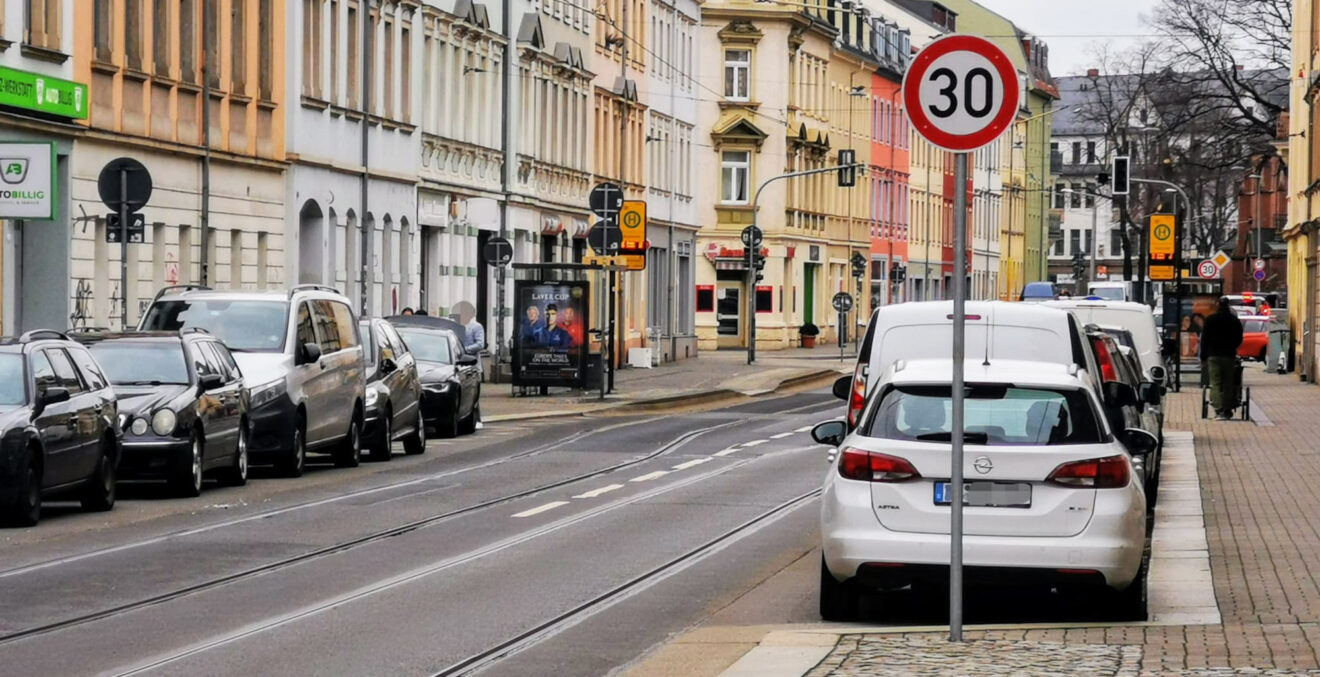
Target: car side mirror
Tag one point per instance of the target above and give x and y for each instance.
(1159, 375)
(1140, 442)
(467, 360)
(387, 366)
(843, 387)
(51, 396)
(1119, 394)
(830, 432)
(309, 353)
(1150, 393)
(208, 382)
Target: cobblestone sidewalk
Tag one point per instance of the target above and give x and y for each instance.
(1261, 502)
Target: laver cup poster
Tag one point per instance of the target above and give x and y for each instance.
(550, 333)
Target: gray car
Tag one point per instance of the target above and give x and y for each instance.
(301, 354)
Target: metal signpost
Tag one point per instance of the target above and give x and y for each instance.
(124, 185)
(498, 252)
(606, 200)
(843, 303)
(960, 93)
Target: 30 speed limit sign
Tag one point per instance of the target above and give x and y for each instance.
(961, 92)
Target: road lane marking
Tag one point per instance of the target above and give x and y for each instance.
(803, 429)
(781, 436)
(726, 452)
(752, 443)
(597, 492)
(540, 509)
(691, 464)
(650, 476)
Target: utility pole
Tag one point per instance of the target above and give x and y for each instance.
(1260, 251)
(506, 141)
(204, 225)
(364, 269)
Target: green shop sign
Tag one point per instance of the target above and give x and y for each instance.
(42, 93)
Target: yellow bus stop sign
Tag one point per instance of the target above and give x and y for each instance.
(632, 224)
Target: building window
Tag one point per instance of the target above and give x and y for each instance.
(1076, 201)
(238, 48)
(735, 168)
(1077, 152)
(43, 23)
(160, 37)
(1090, 152)
(211, 59)
(737, 69)
(187, 41)
(1075, 240)
(1090, 195)
(1057, 247)
(1059, 195)
(354, 30)
(103, 31)
(387, 91)
(265, 48)
(132, 33)
(1115, 242)
(405, 71)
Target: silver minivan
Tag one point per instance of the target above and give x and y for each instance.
(301, 355)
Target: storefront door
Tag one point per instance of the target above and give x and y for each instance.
(729, 312)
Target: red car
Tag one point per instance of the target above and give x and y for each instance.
(1255, 337)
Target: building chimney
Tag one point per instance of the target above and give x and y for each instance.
(1093, 73)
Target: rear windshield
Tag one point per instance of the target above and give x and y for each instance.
(252, 326)
(427, 345)
(1109, 293)
(142, 363)
(995, 414)
(1123, 336)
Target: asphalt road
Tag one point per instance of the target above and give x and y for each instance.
(530, 548)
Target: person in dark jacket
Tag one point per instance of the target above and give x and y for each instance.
(1220, 338)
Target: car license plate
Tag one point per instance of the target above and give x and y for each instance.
(987, 494)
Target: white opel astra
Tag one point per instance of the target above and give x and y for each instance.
(1050, 494)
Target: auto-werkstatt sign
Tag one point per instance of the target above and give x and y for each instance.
(27, 180)
(43, 94)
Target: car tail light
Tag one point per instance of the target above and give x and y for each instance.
(1111, 472)
(857, 400)
(870, 466)
(1107, 371)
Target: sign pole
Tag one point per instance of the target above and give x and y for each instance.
(959, 350)
(123, 246)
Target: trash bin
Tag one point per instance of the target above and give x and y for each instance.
(592, 377)
(1277, 346)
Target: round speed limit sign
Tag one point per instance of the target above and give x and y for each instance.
(961, 92)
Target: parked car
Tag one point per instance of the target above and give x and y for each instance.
(58, 427)
(1036, 292)
(451, 377)
(302, 358)
(1255, 337)
(1129, 402)
(995, 330)
(1111, 290)
(183, 406)
(1136, 318)
(393, 395)
(1050, 491)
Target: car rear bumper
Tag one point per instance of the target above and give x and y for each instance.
(1111, 545)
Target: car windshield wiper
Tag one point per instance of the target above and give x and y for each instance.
(969, 437)
(148, 383)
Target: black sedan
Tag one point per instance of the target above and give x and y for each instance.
(451, 377)
(57, 427)
(183, 406)
(394, 393)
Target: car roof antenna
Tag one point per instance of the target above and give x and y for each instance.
(990, 321)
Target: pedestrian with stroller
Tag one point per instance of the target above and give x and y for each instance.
(1220, 338)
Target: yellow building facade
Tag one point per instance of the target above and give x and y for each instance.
(1013, 224)
(1301, 152)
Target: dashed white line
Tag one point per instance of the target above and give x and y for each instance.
(753, 443)
(726, 452)
(781, 436)
(540, 509)
(803, 429)
(650, 476)
(597, 492)
(691, 464)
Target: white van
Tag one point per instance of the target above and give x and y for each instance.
(1119, 290)
(996, 330)
(1136, 318)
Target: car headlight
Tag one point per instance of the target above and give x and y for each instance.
(139, 426)
(162, 423)
(267, 392)
(372, 396)
(441, 387)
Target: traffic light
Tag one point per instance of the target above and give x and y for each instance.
(1120, 175)
(847, 170)
(1102, 178)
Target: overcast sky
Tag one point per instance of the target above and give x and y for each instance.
(1075, 28)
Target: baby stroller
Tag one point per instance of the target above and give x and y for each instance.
(1241, 402)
